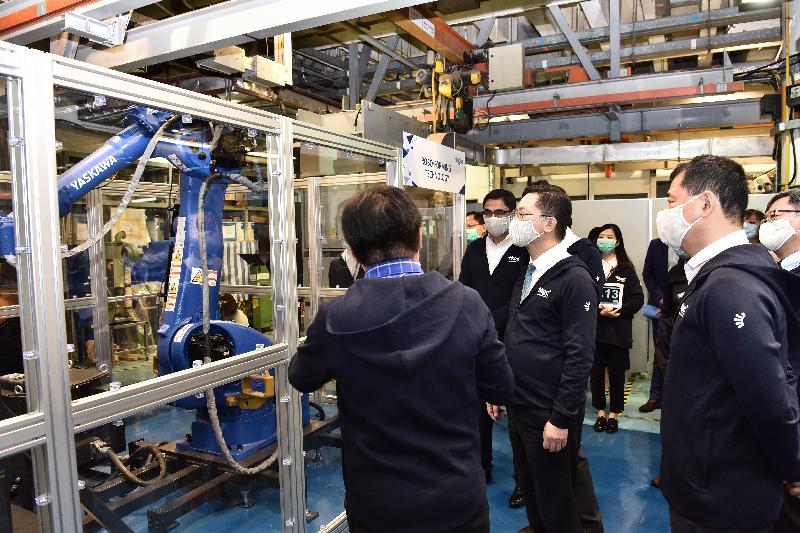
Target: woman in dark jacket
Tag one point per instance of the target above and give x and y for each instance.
(614, 327)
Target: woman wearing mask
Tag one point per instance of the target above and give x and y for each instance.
(614, 327)
(752, 222)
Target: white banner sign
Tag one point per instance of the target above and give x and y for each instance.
(432, 166)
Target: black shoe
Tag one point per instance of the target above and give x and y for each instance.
(516, 500)
(656, 481)
(600, 425)
(612, 425)
(650, 406)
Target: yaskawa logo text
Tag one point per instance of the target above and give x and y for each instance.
(543, 293)
(513, 259)
(93, 172)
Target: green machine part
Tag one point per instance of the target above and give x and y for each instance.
(261, 305)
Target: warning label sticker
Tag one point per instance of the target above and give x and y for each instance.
(182, 332)
(197, 277)
(175, 265)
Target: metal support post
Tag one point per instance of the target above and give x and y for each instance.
(577, 47)
(65, 45)
(459, 228)
(380, 73)
(613, 28)
(484, 31)
(27, 312)
(314, 210)
(97, 271)
(44, 295)
(354, 75)
(394, 170)
(291, 469)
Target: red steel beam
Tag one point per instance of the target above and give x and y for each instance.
(444, 40)
(29, 14)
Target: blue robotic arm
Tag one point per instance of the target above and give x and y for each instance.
(206, 157)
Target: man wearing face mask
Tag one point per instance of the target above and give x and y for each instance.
(491, 266)
(729, 425)
(475, 226)
(549, 342)
(779, 233)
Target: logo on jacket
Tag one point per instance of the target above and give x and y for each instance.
(513, 259)
(587, 306)
(681, 294)
(682, 310)
(738, 320)
(621, 280)
(597, 279)
(543, 293)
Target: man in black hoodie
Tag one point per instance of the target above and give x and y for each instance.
(729, 425)
(411, 354)
(549, 340)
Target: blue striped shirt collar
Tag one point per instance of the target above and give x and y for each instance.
(394, 268)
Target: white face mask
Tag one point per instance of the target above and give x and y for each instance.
(775, 234)
(497, 226)
(672, 227)
(522, 232)
(750, 230)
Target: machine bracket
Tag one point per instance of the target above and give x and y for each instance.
(107, 33)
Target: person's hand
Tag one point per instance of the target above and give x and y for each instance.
(609, 311)
(554, 438)
(793, 488)
(494, 412)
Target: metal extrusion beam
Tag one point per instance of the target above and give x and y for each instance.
(380, 73)
(754, 146)
(604, 92)
(225, 24)
(53, 25)
(679, 48)
(613, 28)
(322, 57)
(385, 49)
(657, 26)
(354, 76)
(577, 47)
(671, 118)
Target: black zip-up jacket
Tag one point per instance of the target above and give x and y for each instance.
(411, 357)
(676, 290)
(550, 341)
(729, 425)
(587, 252)
(619, 331)
(495, 288)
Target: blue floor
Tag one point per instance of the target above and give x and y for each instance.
(622, 466)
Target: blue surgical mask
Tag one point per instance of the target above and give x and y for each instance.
(606, 245)
(472, 235)
(750, 229)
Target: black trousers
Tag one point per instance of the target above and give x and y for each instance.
(485, 426)
(585, 497)
(616, 360)
(547, 479)
(789, 521)
(680, 524)
(477, 523)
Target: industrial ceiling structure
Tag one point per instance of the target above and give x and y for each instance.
(501, 74)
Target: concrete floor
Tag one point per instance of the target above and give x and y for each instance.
(622, 466)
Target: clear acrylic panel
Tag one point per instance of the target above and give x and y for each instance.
(436, 208)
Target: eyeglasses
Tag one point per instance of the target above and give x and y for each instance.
(500, 213)
(770, 215)
(525, 216)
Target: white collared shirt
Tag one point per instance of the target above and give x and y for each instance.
(693, 265)
(494, 252)
(546, 261)
(791, 261)
(609, 265)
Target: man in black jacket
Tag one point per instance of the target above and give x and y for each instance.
(491, 266)
(411, 354)
(549, 341)
(780, 235)
(729, 427)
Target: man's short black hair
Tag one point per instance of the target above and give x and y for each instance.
(554, 202)
(543, 185)
(680, 167)
(381, 223)
(793, 196)
(501, 194)
(722, 176)
(477, 215)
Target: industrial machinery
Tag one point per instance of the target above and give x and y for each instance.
(235, 424)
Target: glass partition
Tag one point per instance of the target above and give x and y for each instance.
(436, 209)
